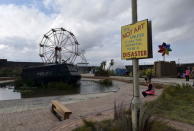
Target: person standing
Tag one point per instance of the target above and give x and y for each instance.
(187, 74)
(192, 74)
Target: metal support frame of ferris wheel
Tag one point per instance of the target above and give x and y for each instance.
(57, 43)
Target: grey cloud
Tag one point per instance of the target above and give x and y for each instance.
(18, 43)
(19, 49)
(93, 11)
(167, 15)
(177, 14)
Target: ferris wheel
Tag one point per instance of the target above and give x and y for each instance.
(58, 46)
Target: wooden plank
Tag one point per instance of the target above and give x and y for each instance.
(61, 106)
(53, 109)
(60, 110)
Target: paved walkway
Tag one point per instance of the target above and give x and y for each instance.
(154, 80)
(39, 118)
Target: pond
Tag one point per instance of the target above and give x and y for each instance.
(8, 92)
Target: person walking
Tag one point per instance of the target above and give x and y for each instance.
(187, 74)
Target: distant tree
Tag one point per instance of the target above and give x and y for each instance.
(111, 64)
(101, 71)
(102, 65)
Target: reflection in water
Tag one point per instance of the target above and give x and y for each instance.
(89, 87)
(8, 92)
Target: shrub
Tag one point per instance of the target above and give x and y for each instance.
(146, 73)
(18, 83)
(59, 85)
(10, 72)
(106, 82)
(122, 122)
(101, 73)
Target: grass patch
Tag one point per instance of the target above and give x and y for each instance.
(176, 102)
(158, 85)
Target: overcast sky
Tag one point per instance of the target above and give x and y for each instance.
(96, 25)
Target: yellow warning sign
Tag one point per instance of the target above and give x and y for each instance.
(135, 40)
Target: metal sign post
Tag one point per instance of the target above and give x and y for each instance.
(136, 43)
(136, 102)
(136, 95)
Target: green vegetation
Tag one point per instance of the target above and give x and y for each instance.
(149, 72)
(111, 64)
(176, 102)
(10, 72)
(102, 71)
(122, 122)
(146, 72)
(112, 125)
(28, 88)
(106, 82)
(59, 85)
(158, 85)
(19, 83)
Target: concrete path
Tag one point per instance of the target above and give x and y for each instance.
(154, 80)
(6, 81)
